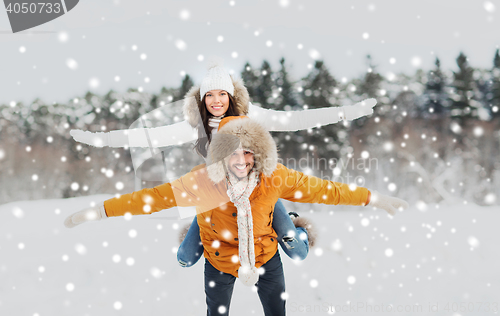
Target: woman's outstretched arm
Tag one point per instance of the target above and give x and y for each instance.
(168, 135)
(289, 121)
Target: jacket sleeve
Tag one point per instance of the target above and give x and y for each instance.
(181, 192)
(168, 135)
(289, 121)
(298, 187)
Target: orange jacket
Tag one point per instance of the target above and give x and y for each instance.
(217, 215)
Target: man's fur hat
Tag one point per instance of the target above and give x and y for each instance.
(236, 131)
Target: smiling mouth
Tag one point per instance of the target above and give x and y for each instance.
(215, 107)
(241, 167)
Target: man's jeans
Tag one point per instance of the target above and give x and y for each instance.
(219, 288)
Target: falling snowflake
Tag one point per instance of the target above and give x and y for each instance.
(314, 54)
(132, 233)
(72, 64)
(473, 242)
(490, 198)
(489, 6)
(284, 3)
(94, 82)
(184, 15)
(180, 44)
(130, 261)
(392, 187)
(119, 186)
(18, 213)
(80, 249)
(389, 252)
(313, 283)
(351, 279)
(222, 309)
(337, 245)
(70, 287)
(155, 272)
(365, 222)
(116, 258)
(416, 61)
(63, 37)
(117, 305)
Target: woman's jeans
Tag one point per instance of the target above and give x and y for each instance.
(293, 240)
(270, 287)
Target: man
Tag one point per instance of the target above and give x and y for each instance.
(234, 195)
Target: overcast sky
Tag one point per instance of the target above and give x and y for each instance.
(117, 44)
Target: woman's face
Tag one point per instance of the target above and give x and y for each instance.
(217, 102)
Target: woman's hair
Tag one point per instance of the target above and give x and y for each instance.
(201, 144)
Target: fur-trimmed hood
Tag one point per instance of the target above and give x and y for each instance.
(192, 99)
(237, 130)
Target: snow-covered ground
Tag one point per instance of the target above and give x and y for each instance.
(434, 261)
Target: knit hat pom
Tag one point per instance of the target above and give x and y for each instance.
(214, 62)
(248, 275)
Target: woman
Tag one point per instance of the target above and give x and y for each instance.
(218, 96)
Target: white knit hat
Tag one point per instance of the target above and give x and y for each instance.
(217, 78)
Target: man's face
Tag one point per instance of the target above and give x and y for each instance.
(240, 163)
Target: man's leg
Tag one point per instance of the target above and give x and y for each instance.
(218, 289)
(191, 248)
(293, 241)
(270, 287)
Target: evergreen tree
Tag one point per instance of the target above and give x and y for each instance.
(287, 96)
(318, 87)
(251, 80)
(435, 97)
(186, 84)
(317, 92)
(264, 91)
(370, 84)
(464, 90)
(494, 94)
(286, 101)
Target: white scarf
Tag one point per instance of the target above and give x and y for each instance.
(214, 122)
(239, 193)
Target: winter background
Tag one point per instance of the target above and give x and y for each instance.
(434, 68)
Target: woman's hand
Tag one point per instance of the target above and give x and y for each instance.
(387, 203)
(95, 139)
(363, 108)
(90, 214)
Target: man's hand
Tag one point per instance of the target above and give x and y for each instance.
(95, 213)
(95, 139)
(363, 108)
(387, 203)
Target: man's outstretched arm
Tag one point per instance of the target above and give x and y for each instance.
(298, 187)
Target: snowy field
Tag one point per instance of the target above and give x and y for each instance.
(425, 261)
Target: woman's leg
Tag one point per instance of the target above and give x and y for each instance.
(191, 247)
(293, 240)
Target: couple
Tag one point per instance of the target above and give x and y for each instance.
(235, 194)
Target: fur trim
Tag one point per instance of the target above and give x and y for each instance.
(312, 233)
(192, 99)
(249, 134)
(183, 232)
